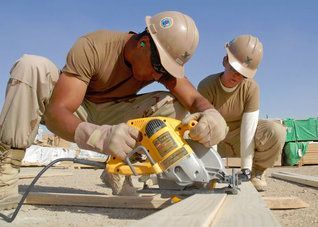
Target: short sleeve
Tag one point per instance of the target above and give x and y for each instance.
(81, 60)
(205, 90)
(252, 101)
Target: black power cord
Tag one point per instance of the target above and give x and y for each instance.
(99, 165)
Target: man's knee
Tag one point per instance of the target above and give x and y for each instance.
(31, 67)
(277, 131)
(168, 106)
(28, 62)
(280, 132)
(270, 132)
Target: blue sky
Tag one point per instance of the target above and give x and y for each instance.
(288, 75)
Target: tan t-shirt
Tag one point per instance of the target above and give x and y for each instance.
(231, 105)
(97, 59)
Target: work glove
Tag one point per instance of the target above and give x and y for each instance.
(210, 129)
(245, 175)
(116, 140)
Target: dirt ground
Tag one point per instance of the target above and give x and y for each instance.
(295, 217)
(87, 181)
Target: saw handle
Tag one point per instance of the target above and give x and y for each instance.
(183, 128)
(144, 150)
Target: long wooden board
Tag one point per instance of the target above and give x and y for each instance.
(197, 210)
(95, 200)
(200, 210)
(247, 208)
(297, 178)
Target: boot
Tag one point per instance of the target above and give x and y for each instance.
(120, 184)
(258, 180)
(10, 162)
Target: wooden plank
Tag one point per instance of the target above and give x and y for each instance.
(311, 157)
(236, 162)
(247, 208)
(94, 200)
(233, 162)
(32, 174)
(313, 146)
(297, 178)
(197, 210)
(284, 203)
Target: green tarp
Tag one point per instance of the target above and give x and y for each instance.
(301, 130)
(293, 151)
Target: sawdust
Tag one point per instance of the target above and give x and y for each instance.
(87, 181)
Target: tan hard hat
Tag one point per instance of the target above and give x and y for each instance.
(176, 37)
(245, 53)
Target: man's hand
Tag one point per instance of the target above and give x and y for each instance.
(117, 140)
(245, 175)
(122, 139)
(211, 128)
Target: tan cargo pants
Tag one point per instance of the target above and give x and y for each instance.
(269, 141)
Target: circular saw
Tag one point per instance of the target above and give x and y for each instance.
(168, 152)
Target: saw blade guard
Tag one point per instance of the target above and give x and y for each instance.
(202, 166)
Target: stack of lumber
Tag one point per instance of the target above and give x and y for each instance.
(311, 157)
(300, 147)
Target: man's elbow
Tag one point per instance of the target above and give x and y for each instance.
(50, 116)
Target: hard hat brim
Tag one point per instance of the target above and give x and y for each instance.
(170, 64)
(236, 64)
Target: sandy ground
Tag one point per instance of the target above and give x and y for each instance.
(87, 181)
(296, 217)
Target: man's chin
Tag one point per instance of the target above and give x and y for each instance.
(138, 78)
(142, 78)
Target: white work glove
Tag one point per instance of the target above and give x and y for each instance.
(210, 129)
(116, 140)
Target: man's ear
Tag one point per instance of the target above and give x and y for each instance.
(143, 42)
(225, 61)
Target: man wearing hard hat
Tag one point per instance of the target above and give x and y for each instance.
(90, 100)
(235, 95)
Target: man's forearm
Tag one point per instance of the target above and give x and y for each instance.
(62, 123)
(67, 96)
(189, 97)
(200, 104)
(247, 133)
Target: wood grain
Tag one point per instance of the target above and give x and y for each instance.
(94, 200)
